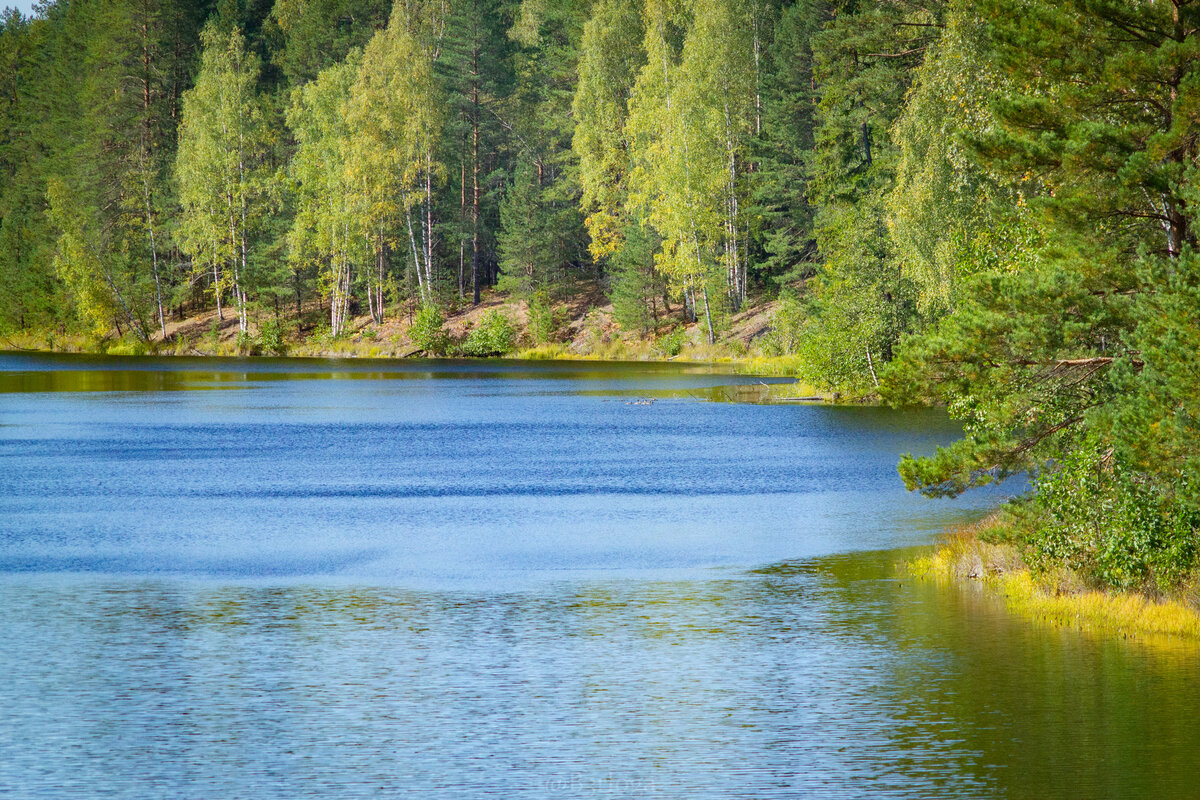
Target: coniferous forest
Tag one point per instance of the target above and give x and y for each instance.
(984, 204)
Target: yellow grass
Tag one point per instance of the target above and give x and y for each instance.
(768, 365)
(1058, 599)
(47, 341)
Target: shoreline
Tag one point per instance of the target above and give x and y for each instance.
(1060, 599)
(584, 330)
(792, 390)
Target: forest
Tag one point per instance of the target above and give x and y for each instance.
(983, 204)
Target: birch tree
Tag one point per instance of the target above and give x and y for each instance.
(329, 226)
(689, 116)
(611, 55)
(223, 139)
(396, 111)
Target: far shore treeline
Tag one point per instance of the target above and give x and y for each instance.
(986, 204)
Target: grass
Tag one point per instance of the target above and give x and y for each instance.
(767, 365)
(594, 338)
(371, 345)
(53, 341)
(1061, 598)
(546, 352)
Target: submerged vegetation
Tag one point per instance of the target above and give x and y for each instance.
(984, 204)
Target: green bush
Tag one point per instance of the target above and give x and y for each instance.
(1108, 522)
(671, 344)
(495, 336)
(212, 337)
(786, 323)
(427, 333)
(544, 319)
(270, 338)
(321, 335)
(246, 343)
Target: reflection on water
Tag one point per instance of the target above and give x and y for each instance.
(510, 583)
(832, 677)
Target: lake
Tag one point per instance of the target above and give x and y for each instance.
(309, 578)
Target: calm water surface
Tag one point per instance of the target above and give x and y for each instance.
(293, 579)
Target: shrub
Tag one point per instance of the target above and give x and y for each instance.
(671, 344)
(495, 336)
(246, 344)
(212, 337)
(270, 338)
(544, 319)
(322, 334)
(786, 323)
(427, 333)
(128, 346)
(1110, 523)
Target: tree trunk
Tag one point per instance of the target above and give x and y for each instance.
(217, 290)
(412, 240)
(462, 213)
(162, 323)
(475, 168)
(429, 220)
(871, 366)
(708, 317)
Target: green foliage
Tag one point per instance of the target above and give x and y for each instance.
(783, 148)
(544, 319)
(1107, 522)
(1070, 357)
(945, 205)
(691, 115)
(427, 332)
(220, 166)
(394, 123)
(635, 285)
(529, 243)
(128, 346)
(862, 301)
(328, 229)
(787, 326)
(494, 336)
(270, 338)
(318, 33)
(609, 60)
(671, 344)
(77, 265)
(860, 306)
(323, 335)
(212, 337)
(246, 344)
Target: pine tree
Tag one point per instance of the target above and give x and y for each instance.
(538, 108)
(783, 148)
(317, 34)
(530, 243)
(27, 287)
(1072, 362)
(637, 289)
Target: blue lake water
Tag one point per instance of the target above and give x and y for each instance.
(305, 578)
